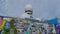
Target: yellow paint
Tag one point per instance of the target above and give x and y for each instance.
(53, 31)
(2, 25)
(38, 32)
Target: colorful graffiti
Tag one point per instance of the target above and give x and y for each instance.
(20, 26)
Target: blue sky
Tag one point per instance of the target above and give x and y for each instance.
(41, 8)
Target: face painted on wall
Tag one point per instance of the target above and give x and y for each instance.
(7, 25)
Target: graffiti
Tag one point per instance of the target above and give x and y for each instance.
(21, 26)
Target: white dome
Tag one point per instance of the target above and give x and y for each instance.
(28, 7)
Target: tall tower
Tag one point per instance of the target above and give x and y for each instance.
(29, 10)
